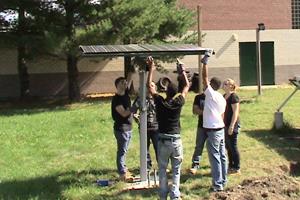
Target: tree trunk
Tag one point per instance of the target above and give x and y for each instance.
(74, 89)
(23, 74)
(127, 65)
(22, 67)
(127, 59)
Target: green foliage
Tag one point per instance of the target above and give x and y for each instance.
(119, 21)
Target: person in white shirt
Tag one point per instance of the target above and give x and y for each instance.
(213, 124)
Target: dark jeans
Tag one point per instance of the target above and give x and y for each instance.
(232, 150)
(152, 137)
(123, 140)
(200, 141)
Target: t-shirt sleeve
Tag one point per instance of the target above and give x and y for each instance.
(235, 99)
(180, 100)
(157, 98)
(208, 91)
(117, 101)
(197, 100)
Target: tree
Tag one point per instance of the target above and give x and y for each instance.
(69, 24)
(114, 22)
(66, 24)
(20, 28)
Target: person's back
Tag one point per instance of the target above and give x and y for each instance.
(214, 108)
(168, 113)
(169, 145)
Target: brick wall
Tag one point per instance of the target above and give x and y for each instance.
(242, 14)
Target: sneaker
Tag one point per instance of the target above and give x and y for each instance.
(214, 189)
(234, 171)
(194, 169)
(127, 177)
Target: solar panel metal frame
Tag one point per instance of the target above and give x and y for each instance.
(142, 50)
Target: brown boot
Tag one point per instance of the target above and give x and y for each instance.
(126, 177)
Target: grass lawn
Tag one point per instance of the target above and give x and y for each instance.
(58, 151)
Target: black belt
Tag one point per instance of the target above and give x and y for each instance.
(169, 139)
(212, 129)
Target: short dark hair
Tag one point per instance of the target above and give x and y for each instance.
(172, 90)
(215, 83)
(118, 80)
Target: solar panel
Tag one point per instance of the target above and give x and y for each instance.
(142, 50)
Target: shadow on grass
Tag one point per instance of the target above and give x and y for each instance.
(285, 142)
(49, 187)
(39, 106)
(39, 188)
(185, 178)
(57, 186)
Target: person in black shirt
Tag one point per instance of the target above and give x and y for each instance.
(168, 117)
(152, 127)
(121, 111)
(201, 137)
(232, 124)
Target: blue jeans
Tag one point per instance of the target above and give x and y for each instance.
(123, 140)
(169, 150)
(232, 150)
(200, 141)
(152, 136)
(217, 158)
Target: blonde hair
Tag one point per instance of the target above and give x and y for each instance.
(232, 83)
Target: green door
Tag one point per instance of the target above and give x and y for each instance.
(248, 72)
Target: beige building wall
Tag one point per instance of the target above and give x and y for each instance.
(48, 76)
(226, 63)
(8, 61)
(226, 46)
(224, 42)
(86, 64)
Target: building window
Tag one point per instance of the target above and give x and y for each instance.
(296, 14)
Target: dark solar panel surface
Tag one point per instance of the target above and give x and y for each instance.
(143, 49)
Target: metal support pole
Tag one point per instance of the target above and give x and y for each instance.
(143, 126)
(258, 61)
(199, 44)
(287, 99)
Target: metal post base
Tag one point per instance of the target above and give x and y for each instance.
(278, 120)
(138, 184)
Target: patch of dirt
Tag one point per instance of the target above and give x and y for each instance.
(279, 187)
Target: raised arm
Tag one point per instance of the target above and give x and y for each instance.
(204, 61)
(186, 81)
(129, 80)
(151, 87)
